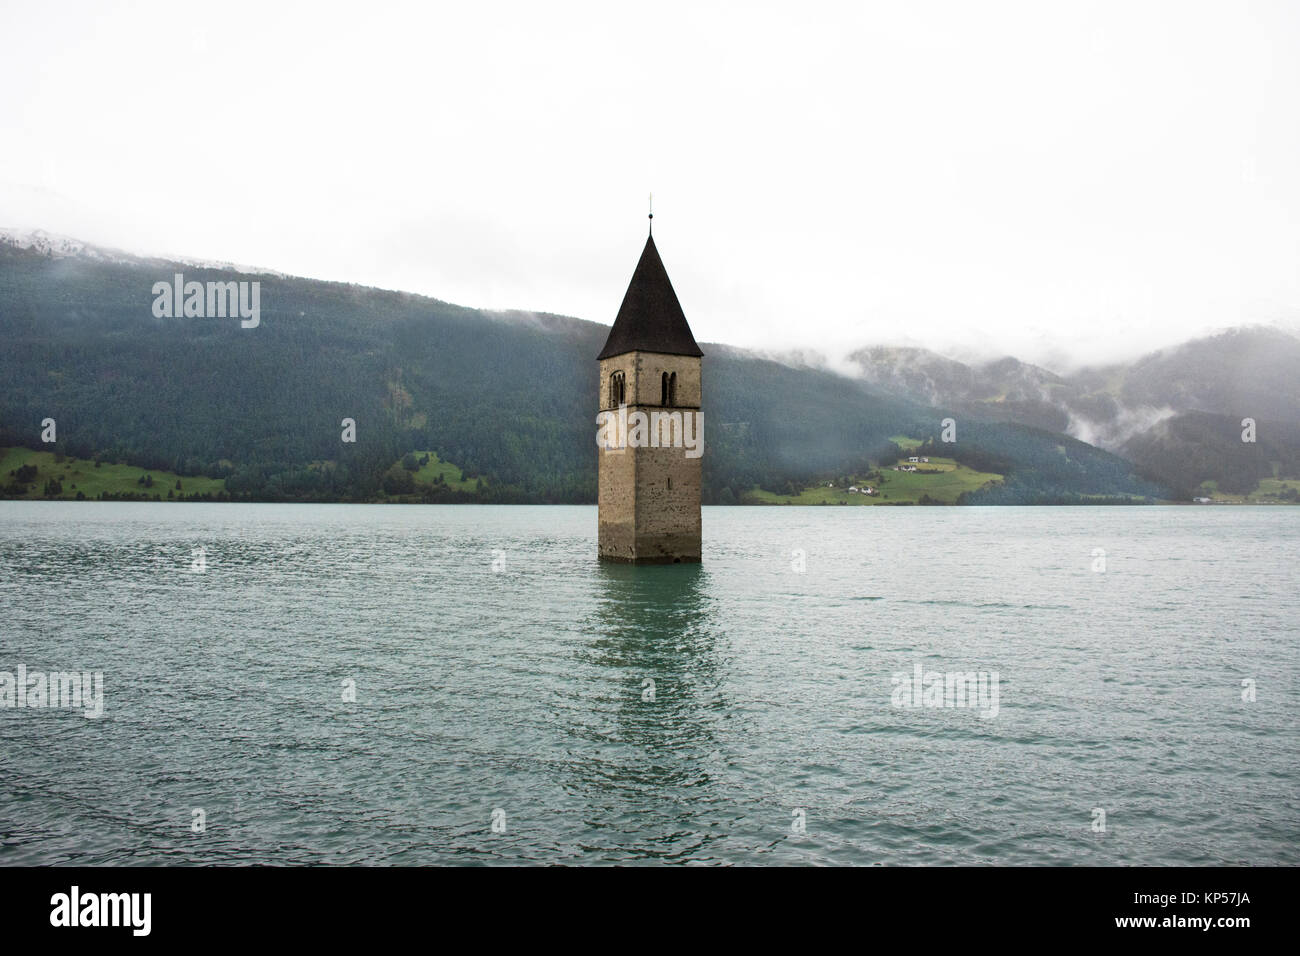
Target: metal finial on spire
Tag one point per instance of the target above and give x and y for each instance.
(652, 214)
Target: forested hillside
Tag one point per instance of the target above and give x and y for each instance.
(507, 397)
(1177, 414)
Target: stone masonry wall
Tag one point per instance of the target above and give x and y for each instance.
(649, 498)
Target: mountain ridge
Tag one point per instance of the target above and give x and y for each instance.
(431, 374)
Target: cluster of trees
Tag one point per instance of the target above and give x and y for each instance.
(1014, 492)
(19, 479)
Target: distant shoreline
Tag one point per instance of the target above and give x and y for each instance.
(592, 504)
(28, 474)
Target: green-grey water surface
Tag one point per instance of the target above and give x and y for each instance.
(498, 666)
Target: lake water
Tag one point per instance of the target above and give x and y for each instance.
(501, 674)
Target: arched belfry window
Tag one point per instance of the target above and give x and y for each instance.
(617, 390)
(672, 389)
(663, 391)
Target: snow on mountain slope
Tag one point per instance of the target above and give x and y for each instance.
(58, 246)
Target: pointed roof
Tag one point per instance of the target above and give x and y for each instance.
(650, 318)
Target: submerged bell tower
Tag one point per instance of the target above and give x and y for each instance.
(650, 468)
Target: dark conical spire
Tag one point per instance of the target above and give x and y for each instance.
(650, 318)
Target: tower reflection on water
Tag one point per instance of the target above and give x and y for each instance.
(656, 661)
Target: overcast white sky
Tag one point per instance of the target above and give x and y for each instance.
(1076, 180)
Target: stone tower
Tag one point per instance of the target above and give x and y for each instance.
(652, 431)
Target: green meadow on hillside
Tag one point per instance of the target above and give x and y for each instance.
(421, 476)
(80, 477)
(1270, 491)
(436, 471)
(942, 482)
(905, 443)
